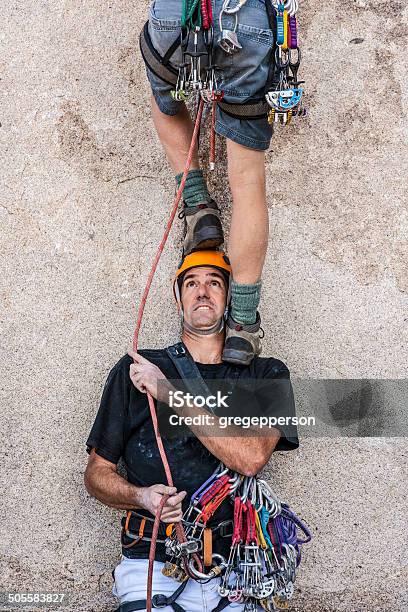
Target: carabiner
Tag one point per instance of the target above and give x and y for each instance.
(253, 496)
(223, 470)
(299, 57)
(245, 489)
(280, 64)
(291, 6)
(232, 11)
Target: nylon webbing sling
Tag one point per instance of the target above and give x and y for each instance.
(188, 371)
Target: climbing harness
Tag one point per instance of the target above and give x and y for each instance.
(282, 98)
(266, 536)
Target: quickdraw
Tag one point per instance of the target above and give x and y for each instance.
(285, 96)
(265, 545)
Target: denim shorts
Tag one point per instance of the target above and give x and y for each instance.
(241, 76)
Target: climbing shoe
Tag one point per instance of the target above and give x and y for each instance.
(203, 229)
(242, 342)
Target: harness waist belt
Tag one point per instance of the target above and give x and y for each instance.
(139, 527)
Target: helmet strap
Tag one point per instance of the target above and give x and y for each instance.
(215, 329)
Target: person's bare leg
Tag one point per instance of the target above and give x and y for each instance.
(175, 133)
(247, 250)
(203, 228)
(249, 231)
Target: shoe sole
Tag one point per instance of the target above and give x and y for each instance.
(207, 238)
(236, 357)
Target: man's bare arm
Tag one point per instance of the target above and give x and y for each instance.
(104, 483)
(246, 455)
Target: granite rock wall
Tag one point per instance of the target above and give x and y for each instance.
(85, 191)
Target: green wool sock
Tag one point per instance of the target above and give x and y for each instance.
(195, 190)
(245, 302)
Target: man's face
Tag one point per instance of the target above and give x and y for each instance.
(203, 296)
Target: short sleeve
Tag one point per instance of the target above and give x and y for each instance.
(276, 399)
(108, 433)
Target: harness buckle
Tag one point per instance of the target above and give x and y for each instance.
(179, 350)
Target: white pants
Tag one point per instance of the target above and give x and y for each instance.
(131, 580)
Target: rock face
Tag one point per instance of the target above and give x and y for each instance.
(85, 195)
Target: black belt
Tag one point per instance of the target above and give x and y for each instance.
(136, 527)
(158, 601)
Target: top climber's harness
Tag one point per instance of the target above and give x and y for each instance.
(282, 96)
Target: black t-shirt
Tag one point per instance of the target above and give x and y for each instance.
(123, 429)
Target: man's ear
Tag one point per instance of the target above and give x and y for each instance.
(180, 303)
(177, 296)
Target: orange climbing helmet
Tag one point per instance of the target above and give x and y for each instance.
(216, 259)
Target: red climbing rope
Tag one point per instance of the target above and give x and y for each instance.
(168, 226)
(212, 134)
(179, 528)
